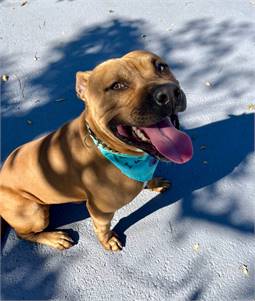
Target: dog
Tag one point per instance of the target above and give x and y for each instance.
(104, 157)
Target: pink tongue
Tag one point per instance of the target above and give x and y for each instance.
(173, 144)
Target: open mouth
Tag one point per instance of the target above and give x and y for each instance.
(162, 140)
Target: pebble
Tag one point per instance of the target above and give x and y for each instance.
(202, 147)
(208, 84)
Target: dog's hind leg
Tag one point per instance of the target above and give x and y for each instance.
(29, 218)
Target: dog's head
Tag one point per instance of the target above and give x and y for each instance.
(132, 104)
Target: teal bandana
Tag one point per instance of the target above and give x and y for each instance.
(139, 168)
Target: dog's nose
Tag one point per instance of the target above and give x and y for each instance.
(165, 93)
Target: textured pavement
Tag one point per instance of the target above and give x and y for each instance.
(195, 242)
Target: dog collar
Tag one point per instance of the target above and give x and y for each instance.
(139, 168)
(96, 140)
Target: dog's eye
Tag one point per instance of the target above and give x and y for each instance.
(118, 86)
(161, 67)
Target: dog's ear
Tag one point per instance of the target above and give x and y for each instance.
(81, 83)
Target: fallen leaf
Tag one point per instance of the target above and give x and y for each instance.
(36, 58)
(29, 122)
(251, 107)
(143, 36)
(5, 77)
(24, 3)
(196, 247)
(244, 269)
(171, 27)
(111, 11)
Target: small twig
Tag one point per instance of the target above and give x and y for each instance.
(36, 58)
(43, 25)
(20, 86)
(220, 69)
(171, 228)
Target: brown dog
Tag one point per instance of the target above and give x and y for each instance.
(130, 103)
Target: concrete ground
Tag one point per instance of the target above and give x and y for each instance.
(195, 242)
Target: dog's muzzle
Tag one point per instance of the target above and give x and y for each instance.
(169, 95)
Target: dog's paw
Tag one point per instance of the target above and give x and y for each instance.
(159, 185)
(113, 243)
(56, 239)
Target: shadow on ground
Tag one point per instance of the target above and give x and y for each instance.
(228, 143)
(26, 266)
(90, 47)
(112, 39)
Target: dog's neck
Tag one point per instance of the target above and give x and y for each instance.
(97, 141)
(139, 168)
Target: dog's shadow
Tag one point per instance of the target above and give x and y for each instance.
(219, 147)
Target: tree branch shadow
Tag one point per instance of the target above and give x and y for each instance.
(91, 46)
(25, 275)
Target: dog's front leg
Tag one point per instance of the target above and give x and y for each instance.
(158, 184)
(102, 224)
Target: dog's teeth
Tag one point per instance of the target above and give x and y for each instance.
(139, 134)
